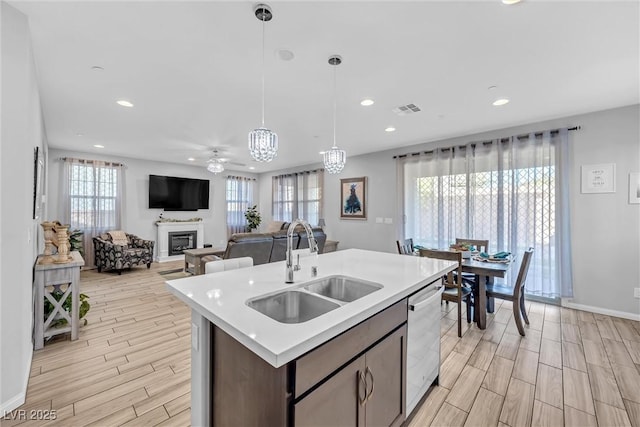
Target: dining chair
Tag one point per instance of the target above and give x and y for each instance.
(515, 294)
(481, 246)
(405, 247)
(454, 291)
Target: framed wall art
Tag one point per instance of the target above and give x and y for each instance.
(353, 202)
(600, 178)
(634, 187)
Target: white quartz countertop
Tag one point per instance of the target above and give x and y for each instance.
(221, 298)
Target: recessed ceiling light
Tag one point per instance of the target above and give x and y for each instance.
(79, 134)
(124, 103)
(285, 54)
(367, 102)
(98, 146)
(191, 159)
(321, 152)
(500, 101)
(390, 129)
(492, 87)
(97, 68)
(252, 167)
(510, 1)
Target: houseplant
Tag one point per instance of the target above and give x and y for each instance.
(75, 241)
(66, 305)
(253, 218)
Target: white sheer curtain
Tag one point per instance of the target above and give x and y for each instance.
(240, 192)
(298, 195)
(512, 191)
(93, 199)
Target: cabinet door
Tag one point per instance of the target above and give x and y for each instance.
(336, 402)
(386, 375)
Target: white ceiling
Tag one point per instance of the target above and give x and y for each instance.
(193, 71)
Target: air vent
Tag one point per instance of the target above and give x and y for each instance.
(403, 110)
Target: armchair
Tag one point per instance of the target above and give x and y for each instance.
(115, 256)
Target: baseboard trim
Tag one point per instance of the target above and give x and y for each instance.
(598, 310)
(19, 399)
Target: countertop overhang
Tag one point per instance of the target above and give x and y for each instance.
(221, 298)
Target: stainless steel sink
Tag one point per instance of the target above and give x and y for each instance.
(342, 288)
(292, 306)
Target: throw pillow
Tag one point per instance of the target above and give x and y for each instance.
(274, 226)
(119, 237)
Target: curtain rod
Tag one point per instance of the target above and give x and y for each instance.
(64, 159)
(505, 139)
(241, 177)
(300, 173)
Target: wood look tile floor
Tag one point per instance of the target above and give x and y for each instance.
(131, 365)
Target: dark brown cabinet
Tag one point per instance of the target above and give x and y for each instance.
(355, 379)
(367, 392)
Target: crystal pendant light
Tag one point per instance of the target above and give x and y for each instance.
(335, 158)
(263, 143)
(215, 165)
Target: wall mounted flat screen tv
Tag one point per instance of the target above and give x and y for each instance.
(178, 194)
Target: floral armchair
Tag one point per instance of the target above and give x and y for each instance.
(117, 256)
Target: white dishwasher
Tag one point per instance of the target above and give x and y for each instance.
(423, 342)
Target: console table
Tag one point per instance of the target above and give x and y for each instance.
(49, 278)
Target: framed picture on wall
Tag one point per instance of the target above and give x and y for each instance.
(353, 202)
(634, 187)
(600, 178)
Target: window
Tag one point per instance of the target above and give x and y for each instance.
(504, 191)
(298, 195)
(93, 199)
(239, 196)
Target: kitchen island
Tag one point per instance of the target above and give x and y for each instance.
(250, 369)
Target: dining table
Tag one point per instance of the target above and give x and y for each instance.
(485, 272)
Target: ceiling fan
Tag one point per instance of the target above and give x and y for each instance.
(215, 164)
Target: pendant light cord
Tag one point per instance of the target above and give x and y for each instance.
(335, 105)
(263, 16)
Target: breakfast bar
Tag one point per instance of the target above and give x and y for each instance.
(277, 349)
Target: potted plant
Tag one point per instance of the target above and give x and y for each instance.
(75, 241)
(66, 305)
(253, 218)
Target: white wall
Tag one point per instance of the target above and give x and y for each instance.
(605, 228)
(22, 131)
(138, 218)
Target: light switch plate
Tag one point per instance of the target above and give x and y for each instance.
(636, 292)
(378, 220)
(388, 220)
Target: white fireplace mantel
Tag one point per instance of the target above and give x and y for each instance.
(164, 228)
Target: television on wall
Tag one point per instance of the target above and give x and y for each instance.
(178, 194)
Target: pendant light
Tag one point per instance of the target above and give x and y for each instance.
(335, 158)
(215, 165)
(263, 143)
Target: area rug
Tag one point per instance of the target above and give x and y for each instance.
(176, 273)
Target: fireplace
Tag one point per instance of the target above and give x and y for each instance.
(164, 247)
(181, 240)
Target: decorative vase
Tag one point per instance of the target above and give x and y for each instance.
(62, 235)
(49, 236)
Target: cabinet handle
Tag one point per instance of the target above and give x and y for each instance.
(363, 381)
(373, 383)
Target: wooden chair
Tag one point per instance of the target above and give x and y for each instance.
(405, 247)
(481, 246)
(515, 294)
(454, 291)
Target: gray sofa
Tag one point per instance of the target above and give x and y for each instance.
(269, 247)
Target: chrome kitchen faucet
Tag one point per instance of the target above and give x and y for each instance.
(313, 248)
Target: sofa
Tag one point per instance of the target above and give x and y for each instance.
(270, 246)
(118, 256)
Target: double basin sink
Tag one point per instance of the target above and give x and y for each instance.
(312, 299)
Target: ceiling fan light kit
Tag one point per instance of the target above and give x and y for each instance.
(263, 143)
(334, 159)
